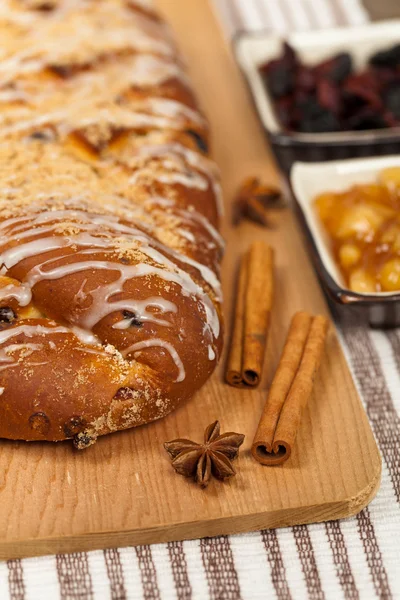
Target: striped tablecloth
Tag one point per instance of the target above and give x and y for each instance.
(354, 558)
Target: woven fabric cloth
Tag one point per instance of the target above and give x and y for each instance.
(354, 558)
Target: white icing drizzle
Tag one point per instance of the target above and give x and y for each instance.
(139, 70)
(191, 180)
(30, 331)
(163, 344)
(101, 306)
(27, 348)
(140, 308)
(188, 235)
(84, 336)
(122, 56)
(21, 293)
(189, 216)
(148, 112)
(195, 160)
(74, 32)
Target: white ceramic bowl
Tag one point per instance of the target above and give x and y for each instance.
(254, 49)
(307, 180)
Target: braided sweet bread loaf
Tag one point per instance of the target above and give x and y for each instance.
(109, 209)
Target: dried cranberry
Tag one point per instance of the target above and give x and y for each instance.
(337, 68)
(63, 71)
(317, 119)
(280, 80)
(7, 315)
(73, 426)
(385, 76)
(289, 56)
(364, 87)
(46, 7)
(305, 79)
(392, 100)
(366, 118)
(309, 107)
(351, 103)
(386, 58)
(328, 95)
(134, 319)
(390, 119)
(284, 111)
(200, 141)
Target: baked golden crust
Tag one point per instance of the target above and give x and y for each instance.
(109, 209)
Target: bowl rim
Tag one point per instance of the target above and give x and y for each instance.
(289, 138)
(339, 293)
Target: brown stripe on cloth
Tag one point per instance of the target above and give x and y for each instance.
(341, 560)
(310, 11)
(378, 402)
(394, 340)
(308, 564)
(287, 12)
(74, 576)
(340, 16)
(179, 570)
(16, 580)
(385, 423)
(219, 566)
(115, 574)
(148, 573)
(373, 555)
(275, 560)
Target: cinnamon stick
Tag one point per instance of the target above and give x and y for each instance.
(234, 366)
(252, 317)
(290, 389)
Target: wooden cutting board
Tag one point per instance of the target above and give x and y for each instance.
(123, 491)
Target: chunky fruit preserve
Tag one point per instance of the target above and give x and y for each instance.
(330, 95)
(363, 224)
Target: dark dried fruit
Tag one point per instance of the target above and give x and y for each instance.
(40, 422)
(39, 135)
(200, 141)
(329, 96)
(7, 315)
(124, 393)
(305, 79)
(84, 440)
(46, 7)
(392, 100)
(134, 319)
(386, 58)
(289, 56)
(324, 121)
(337, 68)
(280, 80)
(365, 119)
(365, 87)
(73, 426)
(63, 71)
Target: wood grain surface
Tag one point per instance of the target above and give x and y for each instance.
(123, 490)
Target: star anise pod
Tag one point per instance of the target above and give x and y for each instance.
(213, 457)
(253, 201)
